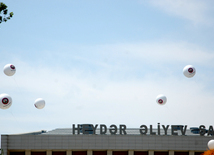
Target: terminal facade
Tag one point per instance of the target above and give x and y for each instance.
(67, 141)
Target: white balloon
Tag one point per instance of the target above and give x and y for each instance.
(210, 144)
(5, 101)
(189, 71)
(9, 70)
(161, 99)
(39, 103)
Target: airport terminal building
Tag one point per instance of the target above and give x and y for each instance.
(115, 140)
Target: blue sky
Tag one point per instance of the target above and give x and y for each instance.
(104, 62)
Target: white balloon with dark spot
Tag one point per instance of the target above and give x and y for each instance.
(161, 99)
(39, 103)
(5, 101)
(189, 71)
(9, 70)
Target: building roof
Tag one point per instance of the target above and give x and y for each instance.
(193, 131)
(130, 131)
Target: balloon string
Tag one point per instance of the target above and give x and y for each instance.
(43, 110)
(172, 113)
(16, 84)
(18, 123)
(13, 116)
(18, 87)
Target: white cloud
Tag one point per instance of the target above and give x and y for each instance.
(193, 10)
(157, 53)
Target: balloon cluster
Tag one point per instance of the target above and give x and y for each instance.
(6, 100)
(188, 71)
(9, 70)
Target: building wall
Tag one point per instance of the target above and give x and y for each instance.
(90, 152)
(153, 145)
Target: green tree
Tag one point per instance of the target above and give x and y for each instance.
(2, 152)
(4, 16)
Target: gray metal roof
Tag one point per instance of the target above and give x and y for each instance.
(130, 131)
